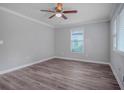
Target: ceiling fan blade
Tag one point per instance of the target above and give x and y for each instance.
(47, 11)
(70, 11)
(63, 16)
(52, 16)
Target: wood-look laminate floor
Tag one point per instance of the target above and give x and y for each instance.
(60, 74)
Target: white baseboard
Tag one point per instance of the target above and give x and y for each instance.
(117, 78)
(43, 60)
(99, 62)
(66, 58)
(22, 66)
(83, 60)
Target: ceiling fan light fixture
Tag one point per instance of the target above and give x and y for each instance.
(58, 14)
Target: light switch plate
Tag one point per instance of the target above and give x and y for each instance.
(1, 42)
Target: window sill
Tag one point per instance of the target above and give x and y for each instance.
(119, 52)
(78, 53)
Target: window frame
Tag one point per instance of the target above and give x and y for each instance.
(117, 34)
(114, 35)
(83, 42)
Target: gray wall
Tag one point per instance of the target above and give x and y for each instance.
(117, 60)
(97, 45)
(24, 41)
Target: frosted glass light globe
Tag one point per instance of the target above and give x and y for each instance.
(58, 14)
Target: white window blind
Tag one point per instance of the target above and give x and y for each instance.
(120, 44)
(77, 41)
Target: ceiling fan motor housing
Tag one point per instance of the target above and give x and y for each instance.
(59, 7)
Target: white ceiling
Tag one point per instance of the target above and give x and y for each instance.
(86, 12)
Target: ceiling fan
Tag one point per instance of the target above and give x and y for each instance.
(58, 11)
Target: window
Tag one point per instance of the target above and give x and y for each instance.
(118, 33)
(120, 37)
(77, 41)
